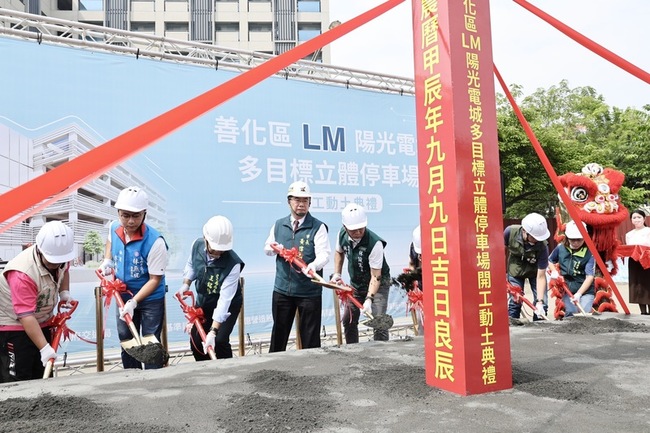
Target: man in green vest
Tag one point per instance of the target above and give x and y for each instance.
(527, 259)
(369, 272)
(574, 262)
(215, 269)
(294, 290)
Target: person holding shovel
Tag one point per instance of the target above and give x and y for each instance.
(573, 261)
(136, 254)
(527, 259)
(369, 272)
(294, 290)
(31, 286)
(215, 269)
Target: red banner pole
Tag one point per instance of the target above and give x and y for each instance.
(586, 42)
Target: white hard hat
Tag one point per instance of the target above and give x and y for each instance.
(218, 232)
(354, 217)
(55, 241)
(299, 189)
(417, 240)
(572, 232)
(132, 199)
(535, 225)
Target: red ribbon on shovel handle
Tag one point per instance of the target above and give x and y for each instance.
(59, 322)
(195, 316)
(292, 255)
(114, 288)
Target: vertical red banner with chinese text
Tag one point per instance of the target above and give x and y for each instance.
(467, 343)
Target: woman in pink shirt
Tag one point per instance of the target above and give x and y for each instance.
(31, 285)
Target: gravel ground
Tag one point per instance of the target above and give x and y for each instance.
(583, 373)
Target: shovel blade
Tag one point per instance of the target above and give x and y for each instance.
(149, 352)
(381, 322)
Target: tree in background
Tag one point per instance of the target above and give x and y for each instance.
(574, 127)
(93, 244)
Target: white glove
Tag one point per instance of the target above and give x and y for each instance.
(336, 278)
(128, 308)
(278, 245)
(209, 341)
(107, 267)
(310, 270)
(555, 275)
(184, 288)
(64, 296)
(367, 307)
(576, 298)
(47, 353)
(539, 310)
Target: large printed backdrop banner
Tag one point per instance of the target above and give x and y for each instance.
(237, 160)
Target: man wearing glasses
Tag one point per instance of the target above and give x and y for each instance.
(527, 259)
(137, 254)
(294, 290)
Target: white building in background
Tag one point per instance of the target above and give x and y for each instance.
(88, 208)
(267, 26)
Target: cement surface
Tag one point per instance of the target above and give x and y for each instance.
(590, 374)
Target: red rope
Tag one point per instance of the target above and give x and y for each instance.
(66, 178)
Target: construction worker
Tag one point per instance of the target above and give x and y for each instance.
(31, 286)
(527, 259)
(367, 267)
(292, 290)
(137, 254)
(215, 269)
(574, 262)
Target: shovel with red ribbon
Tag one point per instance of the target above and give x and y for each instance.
(195, 316)
(65, 310)
(292, 255)
(518, 296)
(146, 349)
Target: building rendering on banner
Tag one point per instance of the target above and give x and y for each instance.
(88, 208)
(267, 26)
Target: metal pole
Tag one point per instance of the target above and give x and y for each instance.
(241, 319)
(99, 328)
(163, 331)
(337, 317)
(298, 339)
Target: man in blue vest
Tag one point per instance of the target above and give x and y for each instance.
(369, 272)
(293, 290)
(137, 254)
(527, 259)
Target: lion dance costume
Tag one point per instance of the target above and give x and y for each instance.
(594, 194)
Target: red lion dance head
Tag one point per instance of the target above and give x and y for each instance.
(594, 194)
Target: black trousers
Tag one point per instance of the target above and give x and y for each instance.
(284, 310)
(20, 359)
(222, 342)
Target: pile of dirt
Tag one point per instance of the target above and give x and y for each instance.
(49, 413)
(280, 402)
(592, 326)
